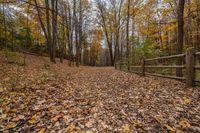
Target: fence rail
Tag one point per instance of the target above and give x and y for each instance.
(189, 66)
(166, 76)
(166, 57)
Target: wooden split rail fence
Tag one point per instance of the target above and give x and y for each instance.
(189, 66)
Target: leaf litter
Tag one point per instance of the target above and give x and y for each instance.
(91, 100)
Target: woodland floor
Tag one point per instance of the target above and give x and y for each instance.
(43, 97)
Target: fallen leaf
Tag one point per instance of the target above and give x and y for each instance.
(1, 90)
(19, 117)
(11, 125)
(104, 125)
(187, 100)
(184, 123)
(81, 131)
(33, 120)
(13, 110)
(89, 124)
(137, 124)
(57, 124)
(89, 131)
(3, 116)
(41, 131)
(169, 128)
(56, 118)
(126, 128)
(179, 131)
(70, 128)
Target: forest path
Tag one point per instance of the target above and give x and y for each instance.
(58, 98)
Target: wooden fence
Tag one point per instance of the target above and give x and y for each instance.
(189, 67)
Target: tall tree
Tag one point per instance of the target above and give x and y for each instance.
(101, 5)
(70, 27)
(76, 32)
(62, 43)
(54, 4)
(116, 10)
(80, 29)
(5, 24)
(48, 27)
(179, 47)
(189, 41)
(197, 44)
(127, 33)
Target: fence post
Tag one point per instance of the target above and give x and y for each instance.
(143, 67)
(190, 70)
(128, 64)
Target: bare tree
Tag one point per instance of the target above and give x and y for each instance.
(101, 6)
(117, 10)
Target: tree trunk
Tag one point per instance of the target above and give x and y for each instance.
(76, 33)
(54, 5)
(179, 48)
(62, 44)
(48, 27)
(197, 45)
(5, 25)
(109, 43)
(69, 34)
(127, 34)
(188, 37)
(80, 30)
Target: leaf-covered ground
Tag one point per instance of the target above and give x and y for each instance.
(42, 97)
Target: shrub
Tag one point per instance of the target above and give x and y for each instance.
(147, 49)
(12, 57)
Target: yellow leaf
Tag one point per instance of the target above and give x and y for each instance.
(187, 100)
(13, 110)
(41, 131)
(33, 120)
(1, 90)
(184, 123)
(70, 128)
(126, 128)
(137, 124)
(169, 128)
(56, 118)
(11, 125)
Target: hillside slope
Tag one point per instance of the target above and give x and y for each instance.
(45, 97)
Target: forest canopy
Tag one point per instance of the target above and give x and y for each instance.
(99, 32)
